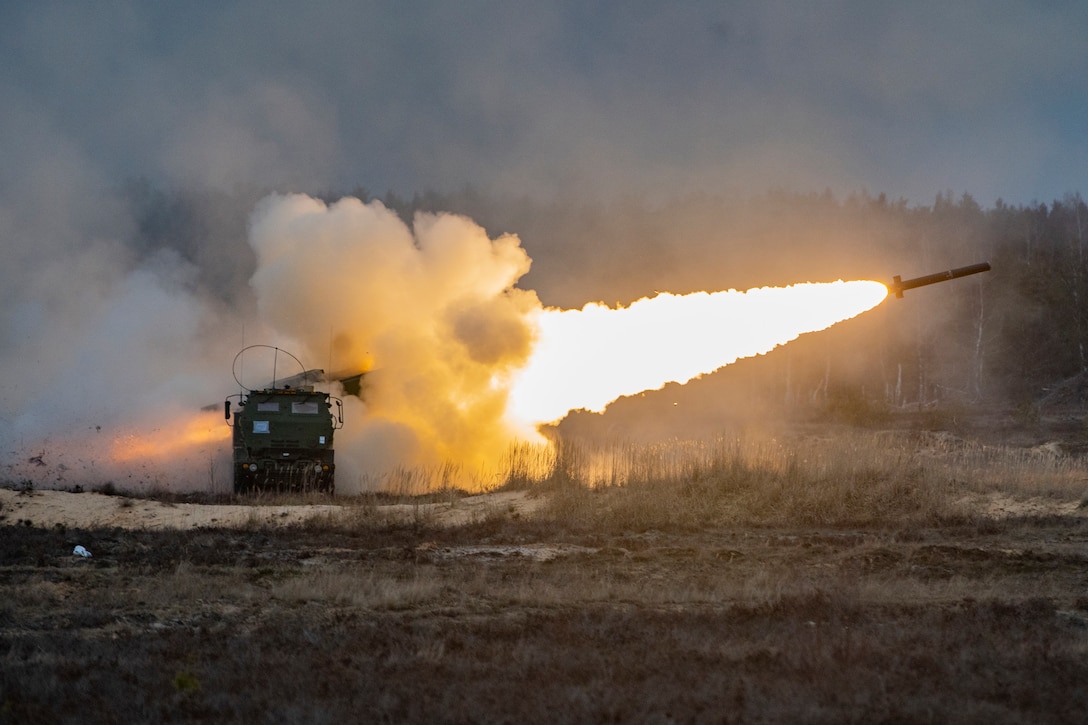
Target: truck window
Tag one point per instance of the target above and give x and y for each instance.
(268, 407)
(309, 408)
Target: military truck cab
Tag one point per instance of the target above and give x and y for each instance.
(283, 437)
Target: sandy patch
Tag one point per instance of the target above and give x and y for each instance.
(93, 510)
(1000, 505)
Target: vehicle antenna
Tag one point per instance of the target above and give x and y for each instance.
(241, 388)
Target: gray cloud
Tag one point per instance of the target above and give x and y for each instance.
(565, 98)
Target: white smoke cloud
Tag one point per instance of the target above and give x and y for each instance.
(431, 312)
(101, 352)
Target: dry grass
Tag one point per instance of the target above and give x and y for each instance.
(846, 478)
(749, 625)
(850, 479)
(744, 579)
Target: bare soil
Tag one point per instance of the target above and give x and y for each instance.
(503, 613)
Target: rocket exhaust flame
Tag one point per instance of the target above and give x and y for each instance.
(587, 358)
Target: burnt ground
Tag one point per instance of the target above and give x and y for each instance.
(516, 620)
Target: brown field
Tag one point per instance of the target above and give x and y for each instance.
(841, 577)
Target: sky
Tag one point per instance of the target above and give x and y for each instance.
(553, 99)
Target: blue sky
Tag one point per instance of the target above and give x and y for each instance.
(553, 99)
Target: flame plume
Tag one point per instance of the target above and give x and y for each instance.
(587, 358)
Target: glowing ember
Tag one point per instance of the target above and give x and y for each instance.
(587, 358)
(181, 438)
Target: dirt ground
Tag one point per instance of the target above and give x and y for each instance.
(487, 609)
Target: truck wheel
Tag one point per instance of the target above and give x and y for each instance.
(243, 480)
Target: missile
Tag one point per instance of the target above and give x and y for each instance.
(899, 286)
